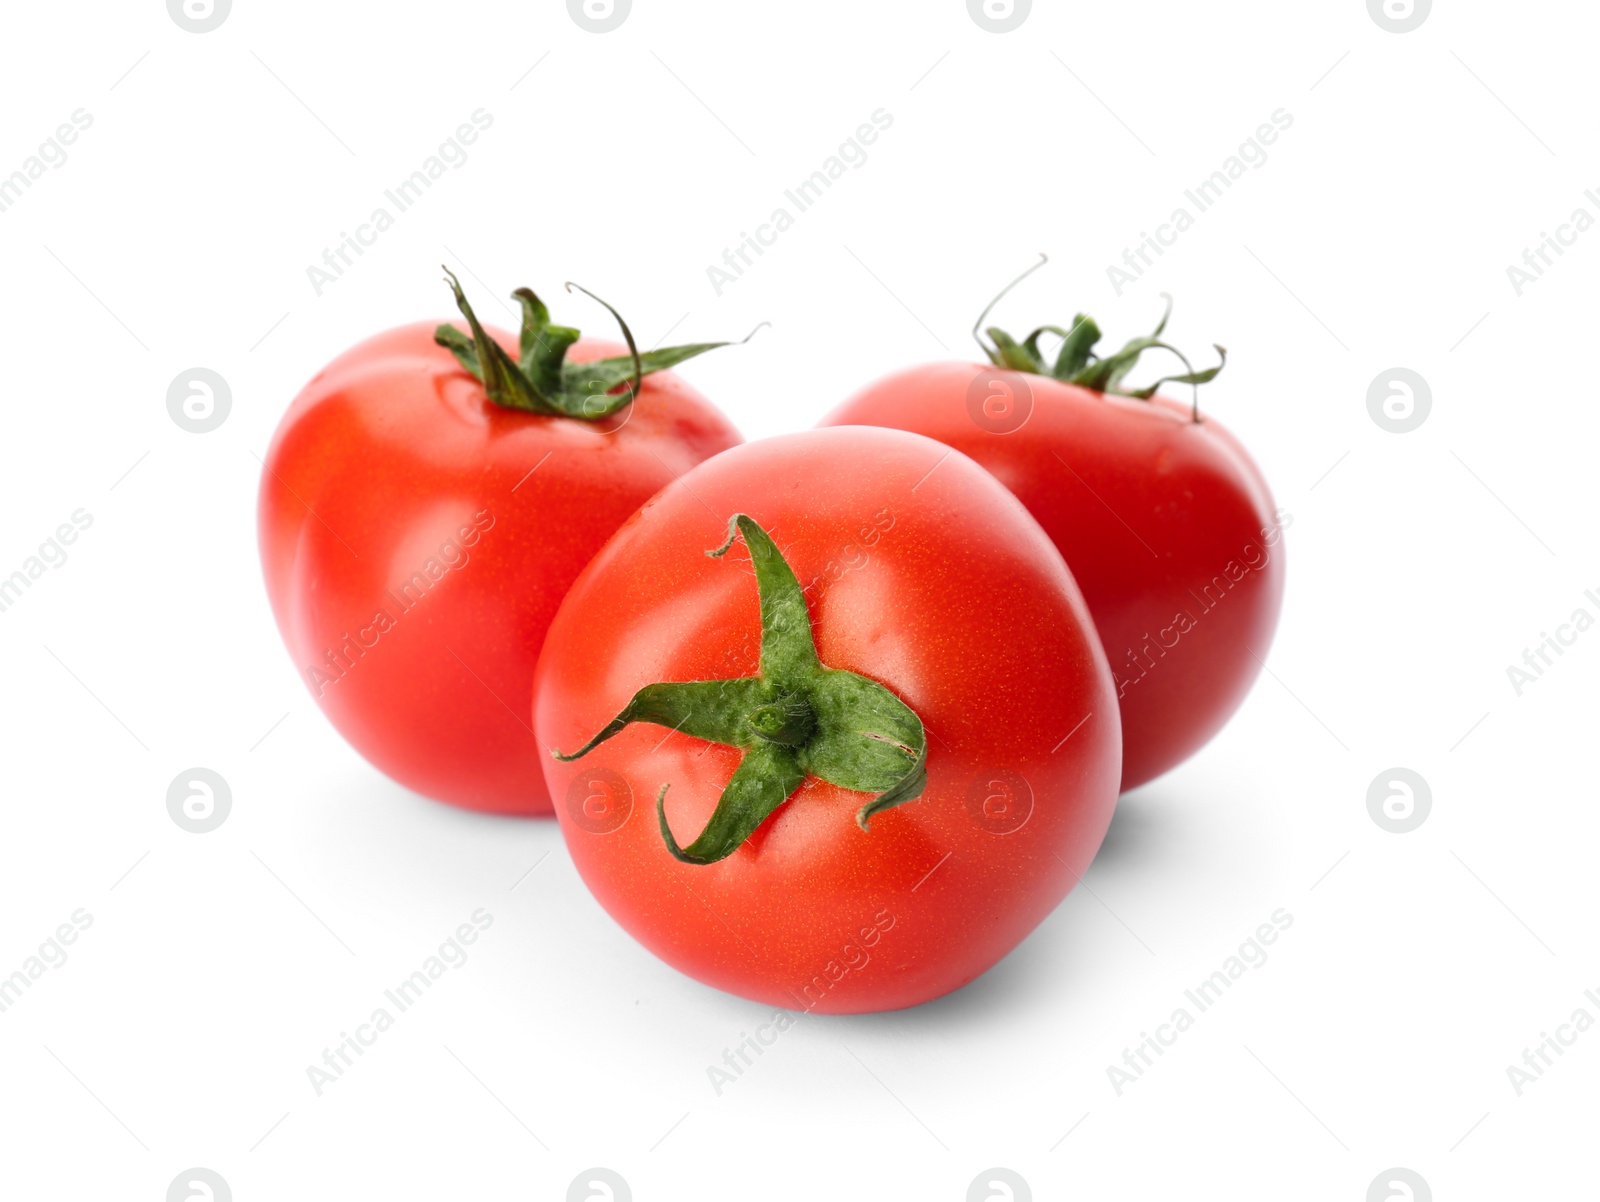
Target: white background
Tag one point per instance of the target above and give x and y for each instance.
(218, 967)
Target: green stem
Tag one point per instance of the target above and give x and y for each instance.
(1076, 361)
(796, 718)
(542, 381)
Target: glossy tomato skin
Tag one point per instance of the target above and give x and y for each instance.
(1167, 525)
(417, 539)
(920, 573)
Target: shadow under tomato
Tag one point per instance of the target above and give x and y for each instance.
(1136, 827)
(1078, 944)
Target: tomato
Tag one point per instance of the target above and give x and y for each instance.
(419, 527)
(868, 787)
(1166, 522)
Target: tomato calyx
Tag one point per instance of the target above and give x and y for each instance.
(1076, 361)
(787, 722)
(796, 718)
(541, 381)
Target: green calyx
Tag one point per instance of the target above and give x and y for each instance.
(797, 718)
(1076, 361)
(541, 381)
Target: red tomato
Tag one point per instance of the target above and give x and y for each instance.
(1165, 521)
(417, 537)
(932, 595)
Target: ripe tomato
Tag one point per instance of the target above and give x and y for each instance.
(891, 629)
(419, 528)
(1165, 521)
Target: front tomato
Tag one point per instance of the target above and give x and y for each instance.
(850, 760)
(422, 513)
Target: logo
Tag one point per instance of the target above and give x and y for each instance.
(1399, 400)
(199, 400)
(1399, 800)
(199, 1185)
(599, 801)
(999, 1185)
(999, 16)
(599, 16)
(999, 401)
(199, 800)
(1000, 801)
(198, 16)
(1399, 1185)
(599, 1185)
(1399, 16)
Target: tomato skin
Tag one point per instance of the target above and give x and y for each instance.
(1154, 513)
(380, 464)
(921, 573)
